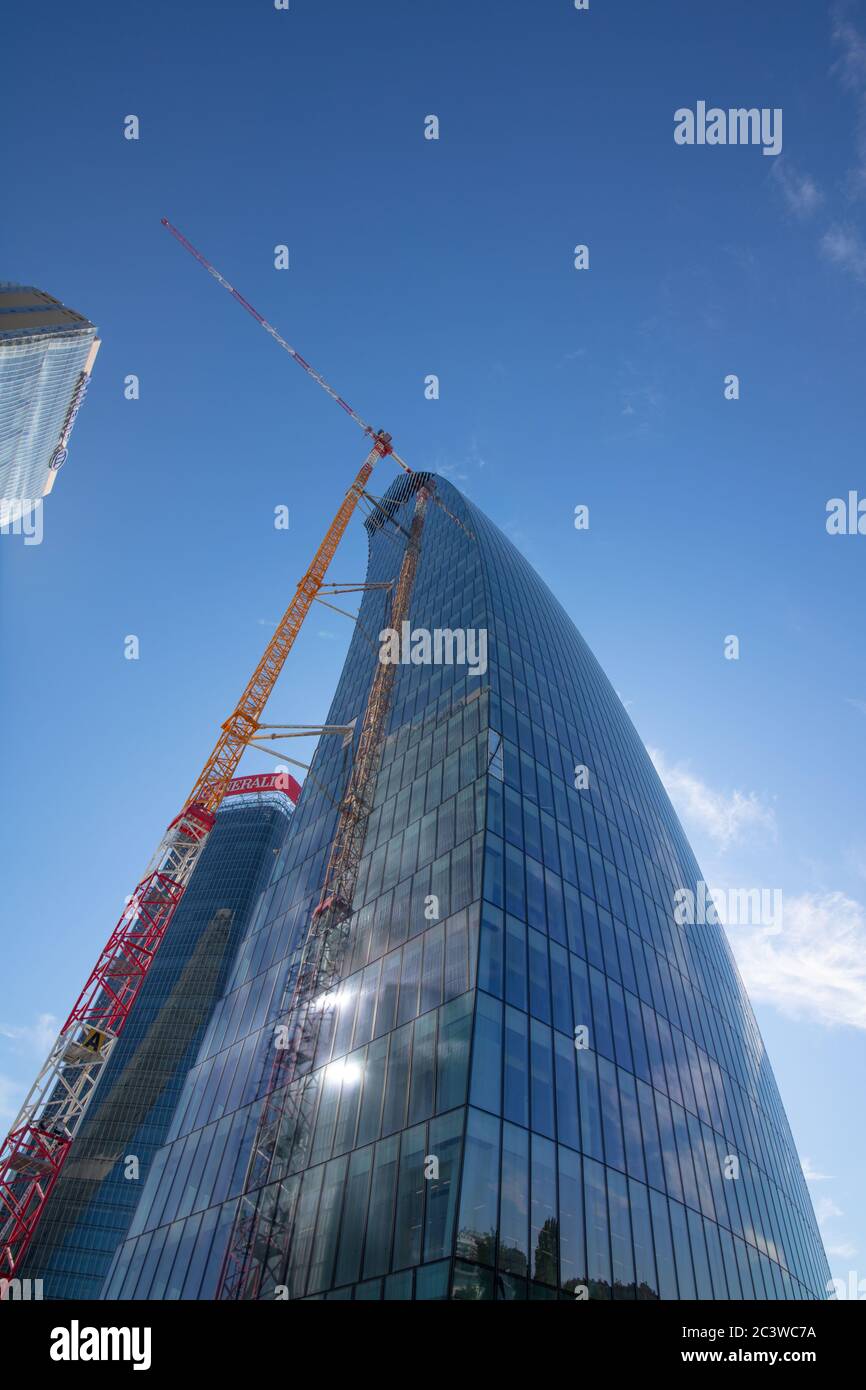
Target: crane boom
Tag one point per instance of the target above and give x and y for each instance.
(243, 722)
(37, 1146)
(278, 337)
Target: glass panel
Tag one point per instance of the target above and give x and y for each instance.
(304, 1227)
(543, 1225)
(445, 1142)
(542, 1078)
(614, 1152)
(597, 1239)
(325, 1244)
(516, 1067)
(487, 1054)
(571, 1235)
(354, 1217)
(452, 1053)
(477, 1227)
(514, 1208)
(396, 1092)
(423, 1070)
(682, 1250)
(568, 1129)
(645, 1269)
(377, 1250)
(399, 1286)
(431, 1281)
(410, 1198)
(472, 1283)
(620, 1236)
(590, 1113)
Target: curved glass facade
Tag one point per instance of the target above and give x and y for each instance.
(90, 1209)
(44, 349)
(530, 1083)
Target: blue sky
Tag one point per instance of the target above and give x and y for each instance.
(602, 387)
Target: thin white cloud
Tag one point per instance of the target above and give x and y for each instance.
(811, 1174)
(815, 967)
(841, 1250)
(826, 1210)
(37, 1036)
(800, 191)
(858, 704)
(850, 66)
(845, 248)
(722, 816)
(458, 470)
(32, 1042)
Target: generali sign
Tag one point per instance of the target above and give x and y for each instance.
(266, 782)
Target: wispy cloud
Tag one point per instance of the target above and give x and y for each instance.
(839, 244)
(643, 401)
(723, 816)
(840, 1250)
(826, 1211)
(28, 1041)
(815, 967)
(459, 470)
(811, 1175)
(850, 65)
(846, 249)
(32, 1037)
(850, 69)
(858, 704)
(801, 193)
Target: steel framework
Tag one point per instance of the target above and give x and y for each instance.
(321, 958)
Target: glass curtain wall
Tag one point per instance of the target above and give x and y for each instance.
(530, 1082)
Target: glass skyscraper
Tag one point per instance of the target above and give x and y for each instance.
(47, 352)
(530, 1083)
(128, 1119)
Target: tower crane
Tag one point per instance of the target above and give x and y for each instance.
(322, 953)
(34, 1151)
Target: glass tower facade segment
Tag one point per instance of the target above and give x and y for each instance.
(46, 353)
(91, 1207)
(530, 1082)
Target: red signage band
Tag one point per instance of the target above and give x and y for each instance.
(266, 782)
